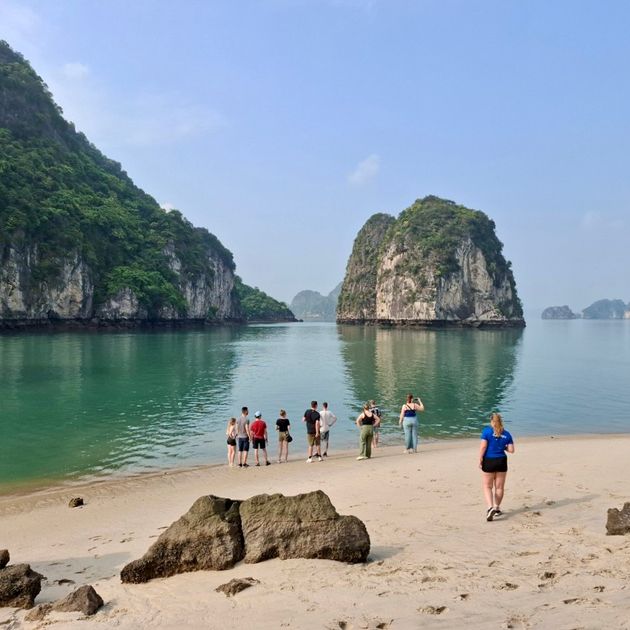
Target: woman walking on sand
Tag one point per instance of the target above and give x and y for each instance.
(495, 443)
(366, 422)
(230, 432)
(282, 427)
(409, 422)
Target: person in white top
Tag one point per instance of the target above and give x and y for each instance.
(326, 420)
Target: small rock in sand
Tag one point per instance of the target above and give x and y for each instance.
(75, 502)
(84, 600)
(236, 586)
(4, 558)
(618, 523)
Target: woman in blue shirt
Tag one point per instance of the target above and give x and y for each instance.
(495, 443)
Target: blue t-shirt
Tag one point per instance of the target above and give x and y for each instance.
(496, 445)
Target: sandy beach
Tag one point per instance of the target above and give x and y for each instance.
(435, 561)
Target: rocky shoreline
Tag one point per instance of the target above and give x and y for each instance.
(95, 324)
(436, 323)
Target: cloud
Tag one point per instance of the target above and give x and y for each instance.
(365, 170)
(75, 70)
(167, 206)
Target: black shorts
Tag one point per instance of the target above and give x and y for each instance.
(243, 444)
(231, 441)
(258, 442)
(494, 464)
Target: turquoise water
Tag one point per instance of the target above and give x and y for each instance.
(97, 404)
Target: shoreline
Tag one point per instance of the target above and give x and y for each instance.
(434, 560)
(37, 487)
(26, 490)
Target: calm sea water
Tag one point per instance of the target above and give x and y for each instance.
(98, 404)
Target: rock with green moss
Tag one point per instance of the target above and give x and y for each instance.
(437, 264)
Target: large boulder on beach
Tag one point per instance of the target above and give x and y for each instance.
(19, 586)
(618, 522)
(303, 526)
(208, 536)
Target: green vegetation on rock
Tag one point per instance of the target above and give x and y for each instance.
(358, 290)
(257, 306)
(60, 196)
(437, 262)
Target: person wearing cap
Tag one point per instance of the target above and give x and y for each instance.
(242, 437)
(258, 430)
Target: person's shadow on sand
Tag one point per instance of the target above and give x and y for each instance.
(544, 506)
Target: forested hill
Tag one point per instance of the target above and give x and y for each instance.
(78, 240)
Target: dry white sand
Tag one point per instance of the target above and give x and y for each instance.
(435, 561)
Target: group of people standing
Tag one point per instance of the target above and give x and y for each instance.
(496, 441)
(240, 434)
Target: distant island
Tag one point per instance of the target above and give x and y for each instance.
(80, 244)
(437, 264)
(313, 306)
(601, 309)
(559, 312)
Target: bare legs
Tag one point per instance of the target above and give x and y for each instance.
(493, 488)
(231, 454)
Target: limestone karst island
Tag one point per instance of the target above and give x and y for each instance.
(437, 264)
(80, 244)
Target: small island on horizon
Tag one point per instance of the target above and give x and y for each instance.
(601, 309)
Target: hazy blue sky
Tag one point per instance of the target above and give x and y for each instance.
(282, 125)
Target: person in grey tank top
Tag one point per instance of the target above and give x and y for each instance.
(242, 437)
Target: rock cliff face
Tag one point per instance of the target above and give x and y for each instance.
(439, 263)
(357, 299)
(79, 242)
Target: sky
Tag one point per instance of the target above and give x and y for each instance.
(283, 125)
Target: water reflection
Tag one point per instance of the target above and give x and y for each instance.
(85, 404)
(461, 375)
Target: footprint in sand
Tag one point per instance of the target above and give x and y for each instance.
(507, 586)
(463, 597)
(433, 610)
(433, 578)
(517, 621)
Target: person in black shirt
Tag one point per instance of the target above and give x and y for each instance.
(311, 417)
(282, 427)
